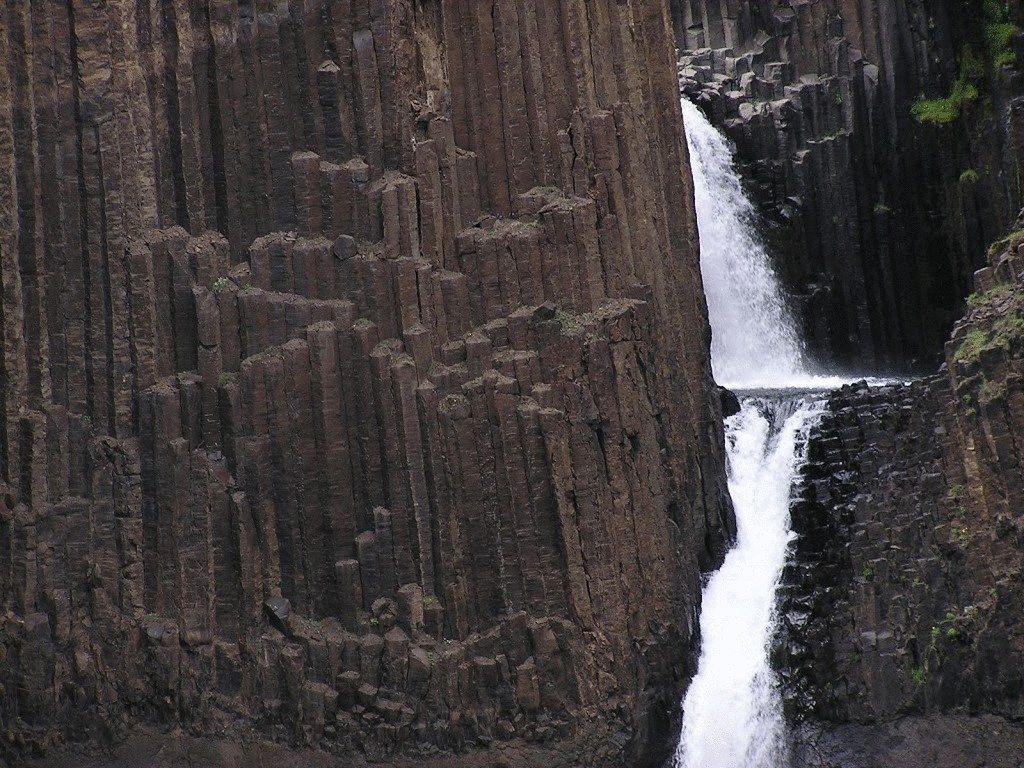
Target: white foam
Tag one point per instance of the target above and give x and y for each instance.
(732, 713)
(753, 338)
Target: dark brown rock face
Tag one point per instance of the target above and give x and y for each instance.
(878, 220)
(355, 370)
(906, 599)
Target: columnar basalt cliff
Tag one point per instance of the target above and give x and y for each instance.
(879, 218)
(905, 607)
(356, 389)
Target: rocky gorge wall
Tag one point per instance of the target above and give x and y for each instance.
(356, 377)
(879, 218)
(902, 632)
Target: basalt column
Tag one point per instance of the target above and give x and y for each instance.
(356, 379)
(903, 637)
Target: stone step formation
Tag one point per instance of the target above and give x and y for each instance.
(357, 390)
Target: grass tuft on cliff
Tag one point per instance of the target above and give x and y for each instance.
(947, 109)
(1005, 333)
(1009, 243)
(971, 347)
(995, 316)
(969, 178)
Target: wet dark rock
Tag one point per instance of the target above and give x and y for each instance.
(730, 402)
(916, 619)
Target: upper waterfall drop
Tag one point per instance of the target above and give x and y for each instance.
(754, 341)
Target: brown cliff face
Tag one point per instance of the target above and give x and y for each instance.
(356, 378)
(906, 600)
(879, 220)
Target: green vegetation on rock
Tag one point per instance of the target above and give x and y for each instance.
(1008, 331)
(991, 297)
(969, 178)
(947, 109)
(995, 320)
(999, 31)
(919, 674)
(1005, 333)
(992, 390)
(970, 348)
(1009, 243)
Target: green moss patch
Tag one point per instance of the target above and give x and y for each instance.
(999, 31)
(947, 109)
(969, 178)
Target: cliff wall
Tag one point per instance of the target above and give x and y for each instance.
(356, 378)
(905, 603)
(879, 217)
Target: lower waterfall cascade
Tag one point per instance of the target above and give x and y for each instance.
(732, 712)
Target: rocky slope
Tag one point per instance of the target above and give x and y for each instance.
(882, 141)
(905, 605)
(356, 382)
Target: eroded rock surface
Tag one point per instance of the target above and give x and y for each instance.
(356, 379)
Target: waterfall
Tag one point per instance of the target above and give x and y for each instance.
(753, 337)
(732, 713)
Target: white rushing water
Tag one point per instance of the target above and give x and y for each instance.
(753, 338)
(732, 713)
